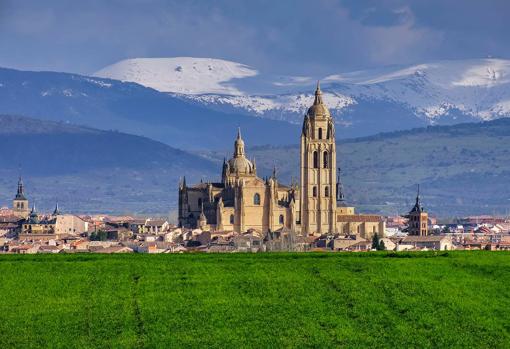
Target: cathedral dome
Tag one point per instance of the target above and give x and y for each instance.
(240, 165)
(318, 109)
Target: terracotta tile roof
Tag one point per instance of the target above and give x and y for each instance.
(429, 238)
(359, 218)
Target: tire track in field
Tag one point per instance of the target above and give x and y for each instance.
(140, 327)
(341, 295)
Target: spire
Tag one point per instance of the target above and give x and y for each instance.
(239, 145)
(20, 193)
(318, 94)
(417, 206)
(418, 201)
(20, 186)
(340, 198)
(56, 212)
(274, 171)
(33, 217)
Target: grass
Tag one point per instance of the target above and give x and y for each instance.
(458, 299)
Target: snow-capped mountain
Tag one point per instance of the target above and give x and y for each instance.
(401, 96)
(183, 75)
(132, 108)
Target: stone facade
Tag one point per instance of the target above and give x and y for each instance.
(242, 201)
(318, 166)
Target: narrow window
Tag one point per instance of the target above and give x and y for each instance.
(325, 160)
(256, 199)
(326, 192)
(320, 133)
(281, 219)
(231, 219)
(314, 192)
(315, 160)
(199, 203)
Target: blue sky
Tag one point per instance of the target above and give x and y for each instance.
(277, 36)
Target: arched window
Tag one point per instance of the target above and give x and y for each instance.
(315, 159)
(320, 133)
(325, 160)
(314, 190)
(282, 218)
(326, 192)
(256, 199)
(231, 219)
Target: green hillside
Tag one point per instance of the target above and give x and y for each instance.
(412, 300)
(462, 169)
(90, 170)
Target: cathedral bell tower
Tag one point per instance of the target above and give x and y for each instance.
(318, 170)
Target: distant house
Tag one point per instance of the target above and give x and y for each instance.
(248, 243)
(360, 246)
(389, 244)
(155, 226)
(67, 224)
(137, 226)
(49, 249)
(23, 249)
(115, 249)
(343, 243)
(428, 242)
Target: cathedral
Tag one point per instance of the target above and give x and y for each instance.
(243, 201)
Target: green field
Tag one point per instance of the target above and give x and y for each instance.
(459, 299)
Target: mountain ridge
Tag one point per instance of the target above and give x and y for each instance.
(439, 92)
(128, 107)
(89, 170)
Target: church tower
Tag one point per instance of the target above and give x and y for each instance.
(417, 223)
(318, 170)
(20, 202)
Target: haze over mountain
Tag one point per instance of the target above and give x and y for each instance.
(363, 102)
(89, 170)
(463, 169)
(128, 107)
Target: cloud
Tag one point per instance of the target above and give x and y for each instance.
(288, 36)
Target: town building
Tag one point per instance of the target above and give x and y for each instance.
(36, 228)
(438, 243)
